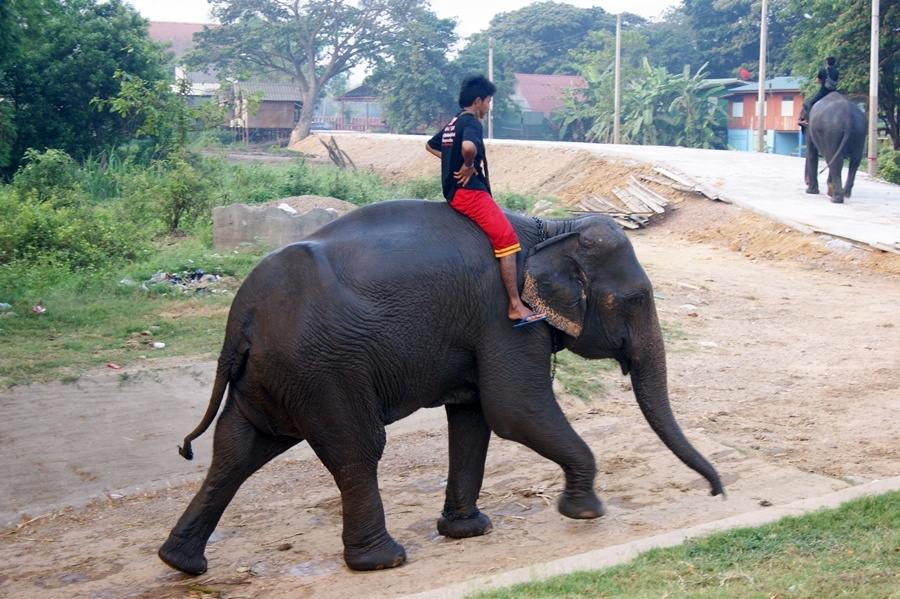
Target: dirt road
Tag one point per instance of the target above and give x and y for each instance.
(784, 372)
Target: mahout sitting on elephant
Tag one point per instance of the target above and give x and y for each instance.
(399, 306)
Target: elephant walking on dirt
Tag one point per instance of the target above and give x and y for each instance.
(399, 306)
(837, 130)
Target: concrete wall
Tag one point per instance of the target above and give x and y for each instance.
(269, 226)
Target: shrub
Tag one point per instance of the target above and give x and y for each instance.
(889, 164)
(75, 236)
(49, 175)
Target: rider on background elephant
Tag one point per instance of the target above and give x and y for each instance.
(828, 77)
(399, 306)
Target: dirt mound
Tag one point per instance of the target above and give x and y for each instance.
(306, 203)
(757, 237)
(565, 174)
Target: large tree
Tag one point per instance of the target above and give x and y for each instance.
(418, 84)
(62, 55)
(306, 42)
(539, 37)
(824, 28)
(725, 35)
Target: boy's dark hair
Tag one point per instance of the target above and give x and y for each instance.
(474, 87)
(830, 61)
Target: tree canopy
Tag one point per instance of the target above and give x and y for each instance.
(825, 29)
(58, 56)
(418, 84)
(305, 42)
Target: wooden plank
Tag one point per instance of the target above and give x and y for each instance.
(659, 199)
(603, 206)
(667, 183)
(677, 178)
(646, 199)
(634, 204)
(625, 223)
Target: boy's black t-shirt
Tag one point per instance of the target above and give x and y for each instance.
(448, 141)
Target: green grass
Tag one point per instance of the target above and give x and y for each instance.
(93, 319)
(582, 378)
(851, 551)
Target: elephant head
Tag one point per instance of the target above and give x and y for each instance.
(587, 280)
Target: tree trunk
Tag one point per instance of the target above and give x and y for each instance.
(301, 129)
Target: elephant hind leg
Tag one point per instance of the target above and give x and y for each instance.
(351, 453)
(239, 450)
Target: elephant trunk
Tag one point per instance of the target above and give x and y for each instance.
(648, 378)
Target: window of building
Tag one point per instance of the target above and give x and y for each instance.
(737, 108)
(298, 106)
(787, 106)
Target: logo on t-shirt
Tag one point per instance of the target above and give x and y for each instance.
(449, 133)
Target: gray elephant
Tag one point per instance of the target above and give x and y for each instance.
(399, 306)
(837, 129)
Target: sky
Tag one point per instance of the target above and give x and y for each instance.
(471, 15)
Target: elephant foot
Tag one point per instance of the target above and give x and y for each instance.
(388, 554)
(837, 200)
(581, 507)
(812, 190)
(175, 553)
(462, 528)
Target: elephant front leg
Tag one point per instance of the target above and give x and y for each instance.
(812, 165)
(525, 410)
(469, 437)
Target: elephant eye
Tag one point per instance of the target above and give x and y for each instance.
(636, 299)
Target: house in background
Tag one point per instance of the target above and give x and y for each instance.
(782, 108)
(359, 109)
(537, 96)
(263, 111)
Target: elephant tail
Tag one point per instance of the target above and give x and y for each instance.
(215, 400)
(226, 369)
(839, 155)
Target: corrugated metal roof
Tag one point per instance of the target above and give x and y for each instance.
(776, 84)
(362, 92)
(272, 92)
(544, 93)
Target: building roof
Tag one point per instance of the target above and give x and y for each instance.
(776, 84)
(271, 92)
(544, 93)
(359, 94)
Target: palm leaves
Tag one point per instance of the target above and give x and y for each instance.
(658, 108)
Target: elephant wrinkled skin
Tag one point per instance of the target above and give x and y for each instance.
(399, 306)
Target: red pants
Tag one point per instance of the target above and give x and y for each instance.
(480, 207)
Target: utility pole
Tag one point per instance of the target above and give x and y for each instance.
(618, 85)
(873, 92)
(491, 77)
(761, 96)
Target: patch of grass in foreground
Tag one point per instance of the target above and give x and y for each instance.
(851, 551)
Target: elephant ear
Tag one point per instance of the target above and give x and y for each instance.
(556, 284)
